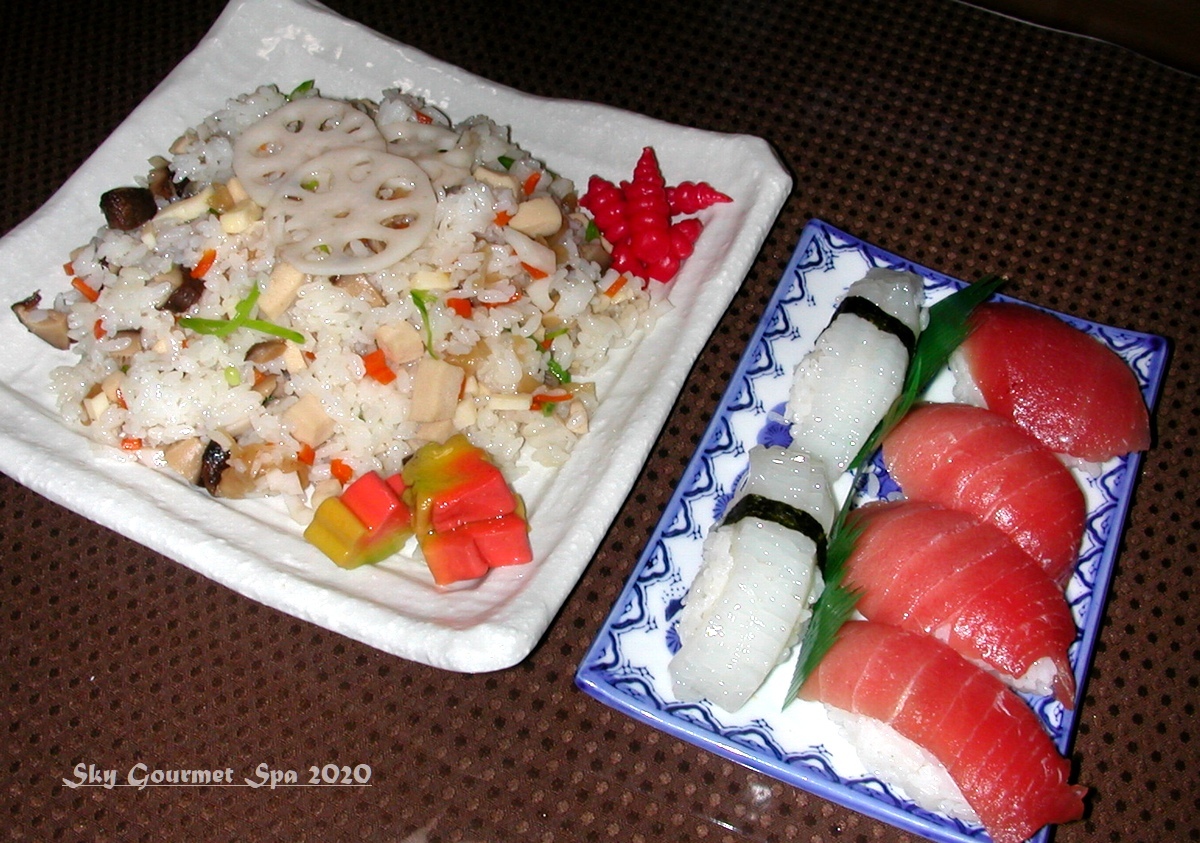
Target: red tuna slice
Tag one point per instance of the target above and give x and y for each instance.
(1072, 392)
(944, 573)
(973, 460)
(989, 741)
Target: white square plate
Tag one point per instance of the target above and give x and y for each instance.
(252, 546)
(627, 666)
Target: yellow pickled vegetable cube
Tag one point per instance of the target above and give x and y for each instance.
(337, 532)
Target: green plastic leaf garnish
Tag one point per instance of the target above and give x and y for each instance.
(945, 332)
(505, 161)
(948, 327)
(832, 609)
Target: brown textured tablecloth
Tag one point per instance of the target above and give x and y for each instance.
(966, 141)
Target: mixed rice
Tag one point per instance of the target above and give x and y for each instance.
(324, 285)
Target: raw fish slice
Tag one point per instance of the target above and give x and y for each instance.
(990, 742)
(944, 573)
(1072, 392)
(758, 579)
(846, 383)
(973, 460)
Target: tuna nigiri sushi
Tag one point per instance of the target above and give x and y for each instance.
(945, 573)
(973, 460)
(990, 743)
(1072, 392)
(758, 579)
(846, 383)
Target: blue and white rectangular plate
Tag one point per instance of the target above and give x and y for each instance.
(626, 666)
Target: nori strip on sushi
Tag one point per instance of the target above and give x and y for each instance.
(785, 515)
(753, 593)
(864, 308)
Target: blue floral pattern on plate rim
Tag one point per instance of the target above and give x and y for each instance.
(625, 667)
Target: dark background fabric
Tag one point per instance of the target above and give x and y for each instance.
(970, 142)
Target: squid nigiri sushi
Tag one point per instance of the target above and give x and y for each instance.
(971, 459)
(1073, 393)
(752, 597)
(856, 369)
(944, 573)
(986, 739)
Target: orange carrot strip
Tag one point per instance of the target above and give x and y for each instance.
(341, 471)
(377, 367)
(98, 329)
(131, 443)
(531, 182)
(89, 292)
(503, 218)
(206, 261)
(510, 300)
(460, 306)
(69, 268)
(533, 271)
(306, 454)
(542, 399)
(615, 287)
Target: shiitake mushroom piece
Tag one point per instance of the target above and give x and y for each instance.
(212, 463)
(127, 208)
(47, 323)
(185, 295)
